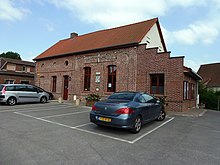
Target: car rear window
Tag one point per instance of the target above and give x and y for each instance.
(122, 96)
(10, 88)
(1, 87)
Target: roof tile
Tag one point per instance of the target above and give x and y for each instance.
(123, 35)
(210, 74)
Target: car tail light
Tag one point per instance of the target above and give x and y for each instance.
(124, 111)
(94, 108)
(3, 90)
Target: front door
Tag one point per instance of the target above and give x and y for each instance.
(65, 89)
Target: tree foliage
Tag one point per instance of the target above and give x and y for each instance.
(11, 54)
(208, 97)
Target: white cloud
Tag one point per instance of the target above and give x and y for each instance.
(9, 11)
(111, 13)
(194, 33)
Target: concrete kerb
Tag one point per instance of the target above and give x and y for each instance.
(189, 113)
(70, 103)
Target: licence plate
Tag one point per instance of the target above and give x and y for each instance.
(105, 119)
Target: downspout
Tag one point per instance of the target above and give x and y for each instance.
(197, 95)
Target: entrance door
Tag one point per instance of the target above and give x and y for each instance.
(65, 89)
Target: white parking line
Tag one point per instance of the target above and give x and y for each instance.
(73, 113)
(110, 137)
(48, 121)
(82, 125)
(22, 109)
(152, 130)
(82, 130)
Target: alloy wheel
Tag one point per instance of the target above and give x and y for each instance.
(162, 115)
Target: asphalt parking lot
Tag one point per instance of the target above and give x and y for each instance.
(53, 133)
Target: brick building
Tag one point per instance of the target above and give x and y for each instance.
(210, 76)
(16, 71)
(127, 58)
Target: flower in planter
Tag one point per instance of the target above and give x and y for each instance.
(93, 97)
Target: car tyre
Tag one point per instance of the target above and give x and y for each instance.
(162, 115)
(11, 101)
(137, 125)
(43, 99)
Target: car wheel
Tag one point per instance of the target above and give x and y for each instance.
(11, 101)
(43, 99)
(162, 115)
(137, 125)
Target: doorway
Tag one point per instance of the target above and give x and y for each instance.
(65, 87)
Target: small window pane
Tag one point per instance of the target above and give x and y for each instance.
(111, 84)
(157, 84)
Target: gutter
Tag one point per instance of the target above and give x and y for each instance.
(89, 51)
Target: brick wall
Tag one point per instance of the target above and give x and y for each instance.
(134, 66)
(17, 79)
(124, 59)
(151, 62)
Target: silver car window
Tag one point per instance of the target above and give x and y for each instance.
(10, 88)
(31, 89)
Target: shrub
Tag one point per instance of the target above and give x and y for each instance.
(93, 97)
(209, 97)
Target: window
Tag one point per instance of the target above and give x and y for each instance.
(9, 81)
(87, 77)
(11, 67)
(24, 68)
(54, 83)
(30, 89)
(185, 90)
(144, 98)
(147, 98)
(157, 84)
(188, 90)
(192, 91)
(24, 82)
(28, 69)
(111, 86)
(66, 63)
(122, 96)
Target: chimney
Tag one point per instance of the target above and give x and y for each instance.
(72, 35)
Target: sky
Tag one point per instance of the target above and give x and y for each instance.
(191, 28)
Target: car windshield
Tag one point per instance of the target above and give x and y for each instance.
(122, 96)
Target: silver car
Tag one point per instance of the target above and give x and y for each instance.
(12, 94)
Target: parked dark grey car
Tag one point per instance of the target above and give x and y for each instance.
(129, 110)
(12, 94)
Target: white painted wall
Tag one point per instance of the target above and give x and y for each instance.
(152, 39)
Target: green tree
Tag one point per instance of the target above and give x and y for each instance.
(208, 97)
(11, 54)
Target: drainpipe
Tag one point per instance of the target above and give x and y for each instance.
(197, 95)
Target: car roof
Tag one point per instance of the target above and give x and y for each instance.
(16, 84)
(135, 92)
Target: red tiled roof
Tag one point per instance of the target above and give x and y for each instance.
(210, 74)
(14, 61)
(191, 73)
(124, 35)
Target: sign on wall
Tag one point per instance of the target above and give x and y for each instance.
(97, 77)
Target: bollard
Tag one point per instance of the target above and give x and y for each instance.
(77, 102)
(60, 100)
